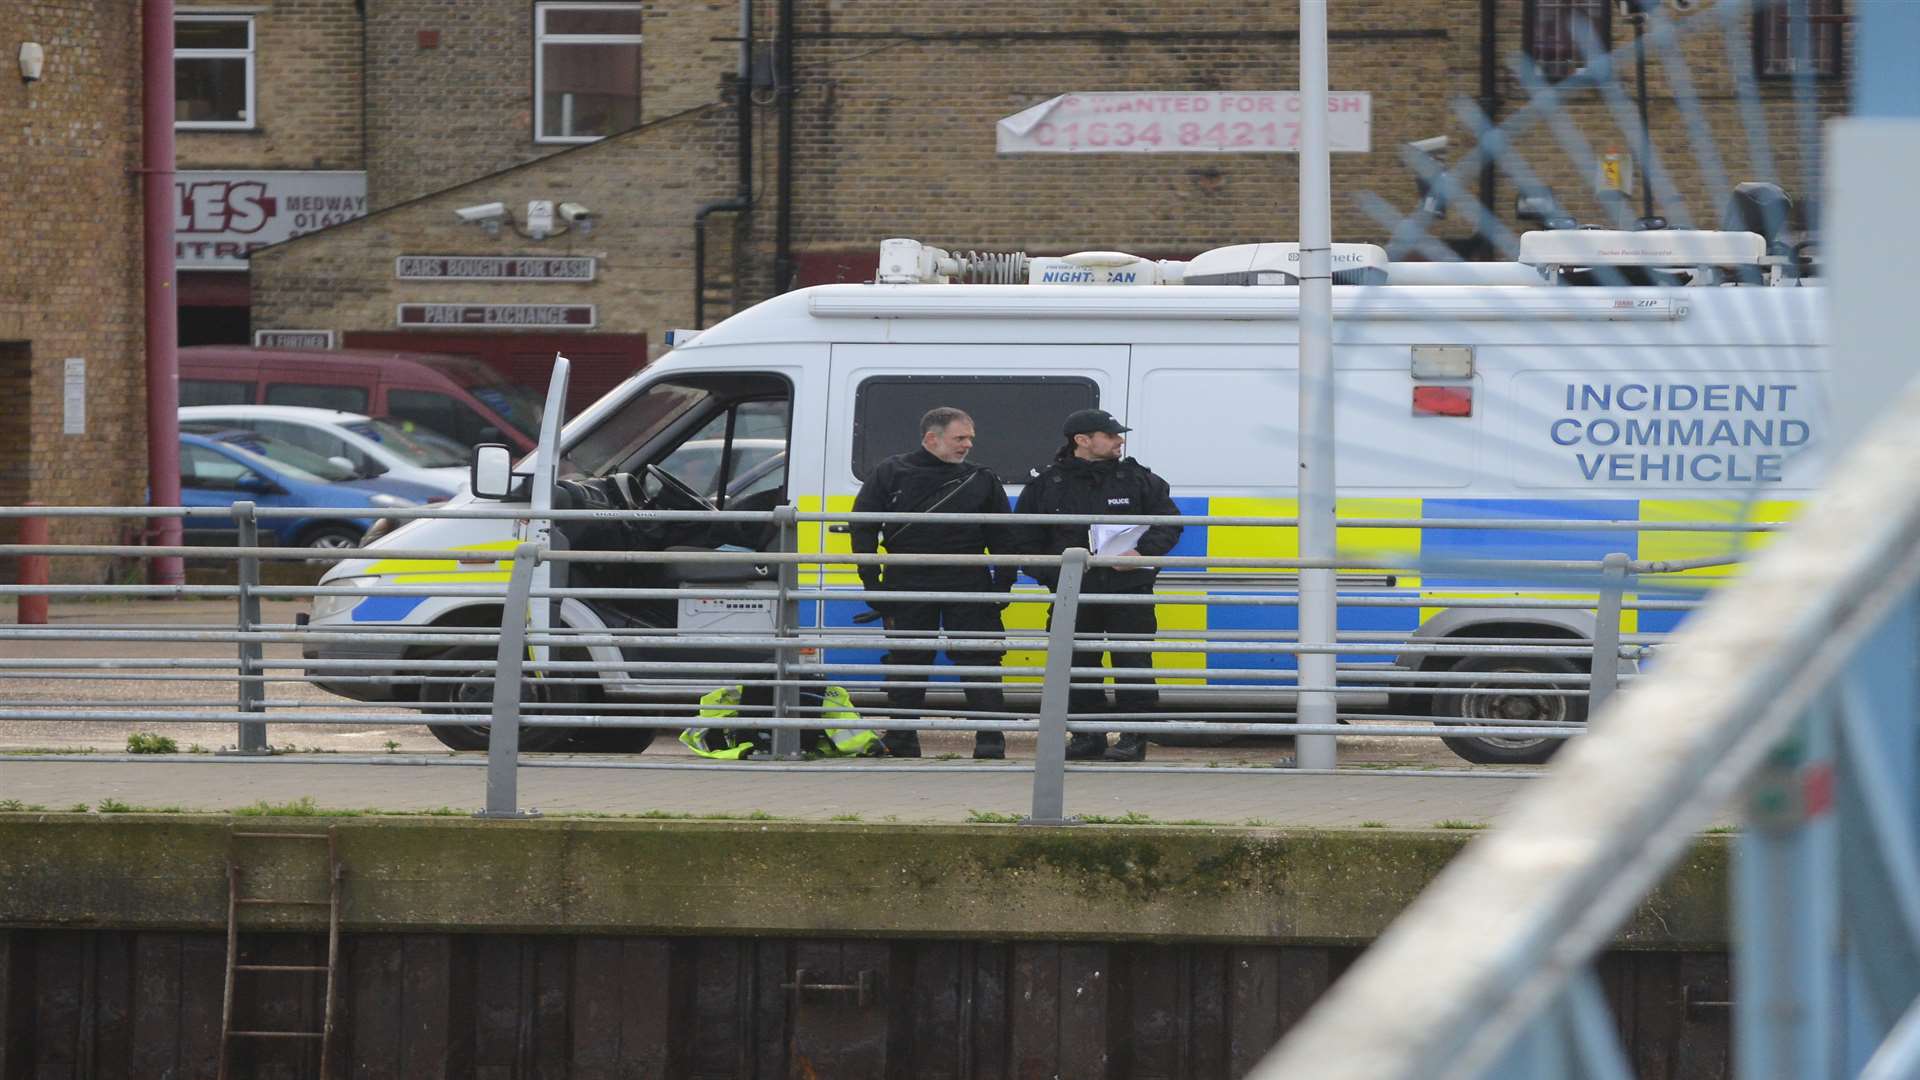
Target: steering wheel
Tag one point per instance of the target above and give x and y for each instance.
(670, 483)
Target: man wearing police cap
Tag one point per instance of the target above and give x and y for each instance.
(1090, 475)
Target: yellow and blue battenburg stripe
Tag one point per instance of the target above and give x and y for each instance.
(431, 572)
(1447, 555)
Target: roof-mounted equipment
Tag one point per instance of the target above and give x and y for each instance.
(908, 262)
(1279, 264)
(1650, 257)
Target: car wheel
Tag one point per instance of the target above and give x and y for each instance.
(1514, 703)
(331, 537)
(475, 696)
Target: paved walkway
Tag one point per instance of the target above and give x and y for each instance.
(1176, 784)
(926, 791)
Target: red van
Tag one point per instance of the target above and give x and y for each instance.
(457, 397)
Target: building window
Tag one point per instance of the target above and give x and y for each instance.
(1553, 38)
(1775, 52)
(586, 71)
(213, 72)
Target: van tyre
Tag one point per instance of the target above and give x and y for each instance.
(1516, 703)
(477, 697)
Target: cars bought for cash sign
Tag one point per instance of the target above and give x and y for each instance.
(1261, 122)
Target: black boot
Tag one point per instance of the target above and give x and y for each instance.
(1086, 746)
(1128, 747)
(901, 743)
(989, 745)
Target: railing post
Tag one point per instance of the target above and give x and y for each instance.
(1606, 633)
(34, 570)
(503, 736)
(786, 616)
(1787, 980)
(252, 736)
(1050, 752)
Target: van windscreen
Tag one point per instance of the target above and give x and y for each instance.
(621, 435)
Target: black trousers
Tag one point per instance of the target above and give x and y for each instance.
(982, 690)
(1130, 693)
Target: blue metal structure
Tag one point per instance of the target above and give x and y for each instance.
(1795, 692)
(1796, 697)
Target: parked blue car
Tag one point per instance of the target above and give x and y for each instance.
(221, 468)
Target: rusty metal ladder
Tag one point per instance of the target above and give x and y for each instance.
(235, 902)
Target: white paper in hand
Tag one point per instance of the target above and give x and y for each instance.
(1115, 539)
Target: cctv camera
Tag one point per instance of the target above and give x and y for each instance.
(484, 212)
(1429, 146)
(574, 212)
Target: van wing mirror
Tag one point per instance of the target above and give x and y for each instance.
(492, 474)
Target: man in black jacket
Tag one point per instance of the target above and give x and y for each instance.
(1090, 476)
(938, 479)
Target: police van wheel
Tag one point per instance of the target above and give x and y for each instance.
(477, 697)
(1513, 703)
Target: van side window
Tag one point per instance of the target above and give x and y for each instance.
(650, 424)
(736, 454)
(215, 392)
(1017, 416)
(321, 396)
(442, 413)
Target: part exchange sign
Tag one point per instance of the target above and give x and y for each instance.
(222, 217)
(497, 316)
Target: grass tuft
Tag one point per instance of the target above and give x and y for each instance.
(301, 807)
(1131, 817)
(147, 742)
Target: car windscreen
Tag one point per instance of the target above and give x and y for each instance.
(421, 448)
(622, 433)
(516, 404)
(287, 458)
(270, 466)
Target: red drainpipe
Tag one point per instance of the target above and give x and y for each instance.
(163, 313)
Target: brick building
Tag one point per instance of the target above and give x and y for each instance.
(269, 142)
(893, 116)
(71, 315)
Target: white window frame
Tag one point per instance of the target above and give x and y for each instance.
(541, 39)
(250, 120)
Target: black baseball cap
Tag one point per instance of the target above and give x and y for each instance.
(1088, 421)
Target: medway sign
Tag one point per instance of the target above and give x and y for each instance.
(494, 268)
(222, 217)
(498, 316)
(1254, 122)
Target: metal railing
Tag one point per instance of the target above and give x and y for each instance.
(1223, 681)
(1800, 689)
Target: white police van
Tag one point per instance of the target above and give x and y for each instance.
(1657, 376)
